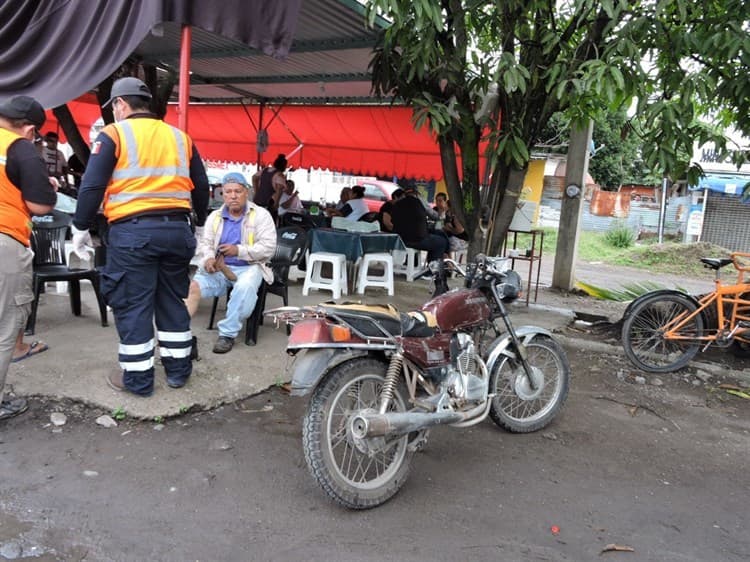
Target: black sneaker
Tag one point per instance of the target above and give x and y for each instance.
(11, 407)
(223, 344)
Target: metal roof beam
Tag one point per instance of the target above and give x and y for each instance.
(302, 100)
(334, 44)
(288, 79)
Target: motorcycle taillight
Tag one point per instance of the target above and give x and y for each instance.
(311, 330)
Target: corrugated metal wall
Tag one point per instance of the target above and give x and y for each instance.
(727, 222)
(643, 217)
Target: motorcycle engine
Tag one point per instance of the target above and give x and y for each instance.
(467, 379)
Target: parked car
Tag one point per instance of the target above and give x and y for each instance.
(377, 192)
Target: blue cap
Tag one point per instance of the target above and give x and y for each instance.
(234, 177)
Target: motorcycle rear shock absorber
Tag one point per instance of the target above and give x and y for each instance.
(391, 379)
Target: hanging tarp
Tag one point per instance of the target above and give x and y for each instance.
(366, 140)
(56, 50)
(730, 184)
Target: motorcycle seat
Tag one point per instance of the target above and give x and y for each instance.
(366, 318)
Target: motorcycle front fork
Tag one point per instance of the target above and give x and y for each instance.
(521, 352)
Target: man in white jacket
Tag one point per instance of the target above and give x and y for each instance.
(237, 241)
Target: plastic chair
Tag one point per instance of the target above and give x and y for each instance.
(366, 278)
(314, 279)
(291, 218)
(48, 244)
(253, 321)
(291, 244)
(408, 263)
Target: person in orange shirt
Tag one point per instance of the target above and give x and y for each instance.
(25, 190)
(150, 177)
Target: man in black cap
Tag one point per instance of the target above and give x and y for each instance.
(25, 190)
(147, 173)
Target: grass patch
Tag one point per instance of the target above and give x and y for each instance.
(670, 257)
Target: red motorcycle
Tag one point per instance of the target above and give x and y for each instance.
(380, 378)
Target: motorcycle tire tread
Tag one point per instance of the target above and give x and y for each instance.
(312, 429)
(515, 426)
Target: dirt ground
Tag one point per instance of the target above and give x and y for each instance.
(656, 464)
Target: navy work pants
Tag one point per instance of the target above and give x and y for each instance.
(146, 278)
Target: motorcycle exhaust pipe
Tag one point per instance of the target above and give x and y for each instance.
(372, 424)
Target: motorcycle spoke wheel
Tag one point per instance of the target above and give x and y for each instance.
(643, 331)
(350, 476)
(520, 407)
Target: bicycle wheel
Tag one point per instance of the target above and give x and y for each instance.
(643, 333)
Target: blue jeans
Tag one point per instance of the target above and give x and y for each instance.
(242, 300)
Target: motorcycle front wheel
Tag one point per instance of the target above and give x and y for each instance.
(352, 477)
(519, 406)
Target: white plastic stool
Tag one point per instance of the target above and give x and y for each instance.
(365, 279)
(314, 279)
(408, 266)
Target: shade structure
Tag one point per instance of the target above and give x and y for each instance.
(368, 140)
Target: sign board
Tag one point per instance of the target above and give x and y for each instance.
(695, 222)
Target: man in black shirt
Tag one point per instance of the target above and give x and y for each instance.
(384, 214)
(24, 190)
(410, 222)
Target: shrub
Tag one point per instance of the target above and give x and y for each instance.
(620, 236)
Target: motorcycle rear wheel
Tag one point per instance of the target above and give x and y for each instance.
(348, 475)
(517, 407)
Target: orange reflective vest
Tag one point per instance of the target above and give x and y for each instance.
(15, 220)
(152, 171)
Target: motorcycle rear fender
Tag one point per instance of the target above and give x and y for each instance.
(499, 347)
(310, 366)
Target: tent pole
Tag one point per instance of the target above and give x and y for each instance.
(184, 88)
(260, 128)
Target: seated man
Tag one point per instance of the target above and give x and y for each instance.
(290, 200)
(237, 241)
(409, 218)
(384, 215)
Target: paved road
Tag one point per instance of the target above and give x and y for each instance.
(661, 469)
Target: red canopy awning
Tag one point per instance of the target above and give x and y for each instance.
(367, 140)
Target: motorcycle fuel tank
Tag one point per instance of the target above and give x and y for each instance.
(458, 309)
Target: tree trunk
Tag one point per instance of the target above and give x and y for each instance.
(506, 208)
(77, 142)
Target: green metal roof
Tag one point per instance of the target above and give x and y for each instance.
(328, 61)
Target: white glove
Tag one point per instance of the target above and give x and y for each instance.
(82, 243)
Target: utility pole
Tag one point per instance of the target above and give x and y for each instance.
(576, 169)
